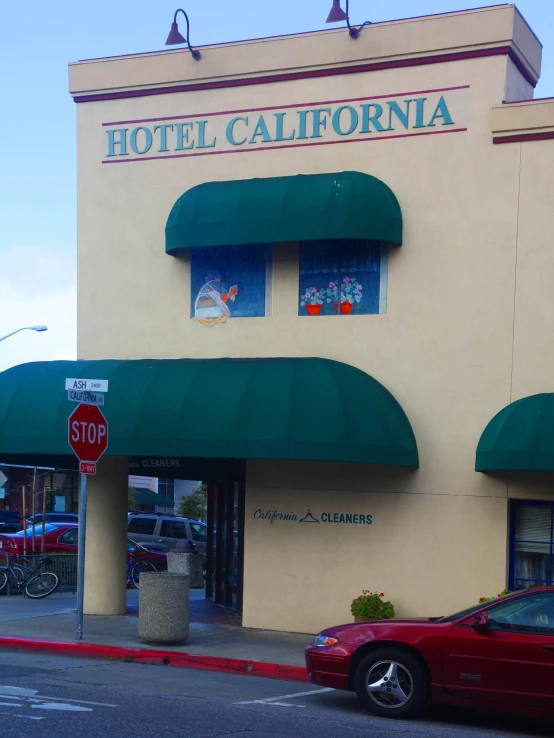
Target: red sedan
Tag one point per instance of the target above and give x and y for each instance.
(63, 539)
(498, 654)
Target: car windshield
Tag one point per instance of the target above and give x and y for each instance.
(468, 611)
(37, 529)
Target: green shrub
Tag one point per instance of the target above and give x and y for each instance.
(371, 606)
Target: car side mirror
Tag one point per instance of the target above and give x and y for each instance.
(479, 621)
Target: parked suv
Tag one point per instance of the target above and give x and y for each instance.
(164, 532)
(10, 521)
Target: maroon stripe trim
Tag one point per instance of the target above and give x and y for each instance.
(523, 137)
(273, 148)
(285, 107)
(290, 76)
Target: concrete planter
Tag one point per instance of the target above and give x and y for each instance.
(164, 607)
(190, 564)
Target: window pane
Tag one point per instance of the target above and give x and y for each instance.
(70, 536)
(532, 614)
(354, 266)
(198, 532)
(228, 282)
(532, 562)
(146, 526)
(174, 529)
(534, 523)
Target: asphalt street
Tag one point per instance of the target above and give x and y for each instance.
(49, 696)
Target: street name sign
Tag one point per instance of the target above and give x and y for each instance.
(87, 385)
(87, 398)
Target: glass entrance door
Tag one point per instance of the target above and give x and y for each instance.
(224, 565)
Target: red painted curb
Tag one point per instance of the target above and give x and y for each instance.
(159, 658)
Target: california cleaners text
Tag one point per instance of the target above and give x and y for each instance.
(326, 517)
(306, 124)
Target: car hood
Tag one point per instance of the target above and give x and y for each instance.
(378, 628)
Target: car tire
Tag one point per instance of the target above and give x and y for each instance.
(408, 692)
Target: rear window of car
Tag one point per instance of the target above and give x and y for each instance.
(53, 518)
(144, 526)
(38, 530)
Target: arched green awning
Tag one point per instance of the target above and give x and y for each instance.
(520, 437)
(275, 408)
(345, 205)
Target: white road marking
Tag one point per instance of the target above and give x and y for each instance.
(285, 704)
(26, 717)
(21, 698)
(32, 695)
(277, 700)
(60, 706)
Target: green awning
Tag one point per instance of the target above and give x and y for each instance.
(301, 208)
(520, 437)
(274, 408)
(147, 497)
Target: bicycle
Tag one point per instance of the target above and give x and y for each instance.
(134, 568)
(35, 585)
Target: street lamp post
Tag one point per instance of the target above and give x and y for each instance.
(37, 328)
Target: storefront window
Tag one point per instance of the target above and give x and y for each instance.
(532, 543)
(166, 488)
(351, 271)
(230, 282)
(61, 492)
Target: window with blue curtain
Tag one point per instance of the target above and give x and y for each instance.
(354, 269)
(229, 282)
(531, 544)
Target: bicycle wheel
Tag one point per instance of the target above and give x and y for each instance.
(3, 579)
(137, 568)
(42, 585)
(18, 573)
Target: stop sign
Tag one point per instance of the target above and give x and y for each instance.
(88, 433)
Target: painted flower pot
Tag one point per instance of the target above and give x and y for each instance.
(313, 309)
(345, 307)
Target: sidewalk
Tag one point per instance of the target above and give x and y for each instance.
(49, 625)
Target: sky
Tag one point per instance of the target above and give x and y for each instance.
(38, 241)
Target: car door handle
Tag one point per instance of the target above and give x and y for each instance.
(547, 647)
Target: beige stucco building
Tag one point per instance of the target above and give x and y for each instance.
(456, 322)
(467, 326)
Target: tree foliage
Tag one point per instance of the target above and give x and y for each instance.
(132, 503)
(194, 504)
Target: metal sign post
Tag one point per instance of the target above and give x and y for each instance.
(88, 438)
(81, 555)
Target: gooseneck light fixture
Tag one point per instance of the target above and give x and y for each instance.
(337, 14)
(175, 37)
(37, 328)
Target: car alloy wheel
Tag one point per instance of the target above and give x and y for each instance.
(392, 682)
(389, 684)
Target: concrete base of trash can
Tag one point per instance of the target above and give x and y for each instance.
(191, 564)
(163, 607)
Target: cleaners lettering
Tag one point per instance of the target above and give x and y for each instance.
(225, 132)
(309, 518)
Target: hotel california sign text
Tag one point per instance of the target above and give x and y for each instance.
(308, 124)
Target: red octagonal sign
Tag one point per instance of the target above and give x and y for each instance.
(88, 433)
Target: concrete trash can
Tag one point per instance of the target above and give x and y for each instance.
(191, 564)
(163, 607)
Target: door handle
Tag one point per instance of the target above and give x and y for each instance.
(547, 647)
